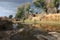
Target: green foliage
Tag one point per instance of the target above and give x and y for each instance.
(31, 11)
(10, 16)
(56, 1)
(39, 3)
(20, 26)
(43, 4)
(27, 7)
(21, 11)
(51, 5)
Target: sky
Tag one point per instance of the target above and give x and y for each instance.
(9, 7)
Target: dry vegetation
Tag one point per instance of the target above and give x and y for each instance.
(52, 18)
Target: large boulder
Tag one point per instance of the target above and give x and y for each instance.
(5, 23)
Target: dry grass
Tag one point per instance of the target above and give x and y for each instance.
(49, 22)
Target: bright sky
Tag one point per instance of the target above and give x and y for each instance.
(8, 7)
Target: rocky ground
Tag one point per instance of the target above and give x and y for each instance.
(28, 34)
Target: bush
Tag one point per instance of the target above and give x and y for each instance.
(20, 26)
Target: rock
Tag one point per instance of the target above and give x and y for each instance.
(5, 24)
(32, 35)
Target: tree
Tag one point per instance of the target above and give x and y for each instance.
(23, 11)
(57, 2)
(10, 16)
(20, 11)
(39, 3)
(46, 5)
(54, 4)
(31, 11)
(27, 7)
